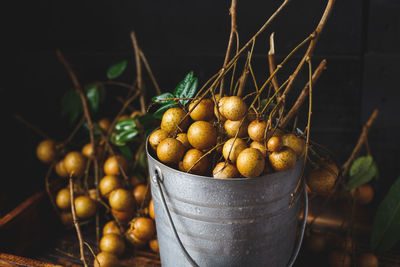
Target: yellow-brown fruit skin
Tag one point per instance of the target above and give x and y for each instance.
(182, 137)
(143, 228)
(105, 259)
(46, 151)
(75, 163)
(232, 127)
(321, 180)
(85, 207)
(219, 103)
(108, 184)
(104, 124)
(250, 163)
(233, 108)
(274, 144)
(256, 130)
(63, 199)
(260, 147)
(202, 135)
(172, 117)
(111, 228)
(60, 169)
(112, 243)
(87, 150)
(363, 195)
(294, 142)
(123, 216)
(238, 146)
(122, 200)
(111, 166)
(339, 259)
(283, 160)
(191, 157)
(135, 180)
(153, 244)
(170, 151)
(141, 193)
(151, 210)
(368, 260)
(138, 243)
(225, 170)
(156, 137)
(204, 111)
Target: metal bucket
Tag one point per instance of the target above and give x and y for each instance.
(203, 221)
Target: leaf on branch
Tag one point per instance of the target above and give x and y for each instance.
(361, 172)
(93, 96)
(190, 91)
(126, 152)
(125, 125)
(71, 105)
(160, 112)
(117, 69)
(270, 107)
(160, 99)
(183, 84)
(386, 226)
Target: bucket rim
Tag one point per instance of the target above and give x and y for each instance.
(240, 179)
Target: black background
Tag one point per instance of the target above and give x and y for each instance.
(360, 43)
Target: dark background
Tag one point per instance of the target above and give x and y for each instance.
(360, 43)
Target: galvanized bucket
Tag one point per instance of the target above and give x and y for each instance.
(203, 221)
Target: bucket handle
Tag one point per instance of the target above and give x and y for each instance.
(158, 177)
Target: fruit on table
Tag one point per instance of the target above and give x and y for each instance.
(75, 163)
(182, 137)
(257, 130)
(151, 210)
(170, 151)
(233, 108)
(112, 243)
(294, 142)
(108, 184)
(142, 228)
(225, 170)
(204, 111)
(321, 180)
(368, 260)
(250, 162)
(63, 199)
(60, 169)
(233, 127)
(260, 147)
(106, 259)
(232, 148)
(153, 244)
(113, 164)
(195, 162)
(85, 207)
(173, 119)
(111, 228)
(156, 137)
(202, 135)
(274, 144)
(122, 200)
(364, 194)
(140, 193)
(46, 151)
(283, 160)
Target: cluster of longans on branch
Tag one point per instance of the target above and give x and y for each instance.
(241, 148)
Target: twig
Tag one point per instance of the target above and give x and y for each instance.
(360, 142)
(77, 228)
(243, 77)
(147, 66)
(120, 84)
(31, 126)
(48, 190)
(303, 95)
(271, 61)
(139, 73)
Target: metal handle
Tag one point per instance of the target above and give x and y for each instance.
(185, 253)
(303, 228)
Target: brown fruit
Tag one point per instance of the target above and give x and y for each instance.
(274, 144)
(180, 166)
(141, 193)
(256, 130)
(191, 158)
(182, 137)
(363, 194)
(46, 151)
(278, 132)
(136, 113)
(220, 103)
(66, 218)
(112, 243)
(111, 166)
(123, 117)
(151, 210)
(172, 119)
(87, 150)
(283, 160)
(93, 194)
(123, 216)
(121, 200)
(294, 142)
(260, 147)
(106, 259)
(143, 228)
(339, 259)
(108, 184)
(233, 108)
(250, 162)
(135, 180)
(202, 135)
(111, 228)
(156, 137)
(368, 260)
(203, 111)
(225, 170)
(170, 151)
(232, 148)
(85, 207)
(321, 180)
(232, 127)
(104, 124)
(316, 243)
(75, 163)
(60, 169)
(63, 199)
(134, 240)
(153, 244)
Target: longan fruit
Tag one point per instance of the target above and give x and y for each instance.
(204, 111)
(321, 180)
(138, 243)
(153, 244)
(123, 117)
(172, 119)
(191, 157)
(151, 210)
(339, 259)
(256, 130)
(274, 144)
(108, 184)
(220, 103)
(123, 216)
(283, 160)
(111, 165)
(75, 163)
(202, 135)
(46, 151)
(112, 243)
(63, 199)
(136, 113)
(184, 140)
(66, 218)
(121, 200)
(180, 166)
(294, 142)
(363, 194)
(104, 124)
(135, 180)
(141, 193)
(233, 108)
(60, 169)
(250, 162)
(106, 259)
(233, 127)
(143, 228)
(111, 228)
(85, 207)
(260, 147)
(368, 260)
(232, 148)
(156, 137)
(278, 132)
(225, 170)
(170, 151)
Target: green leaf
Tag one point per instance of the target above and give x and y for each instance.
(361, 172)
(183, 84)
(115, 140)
(142, 159)
(126, 136)
(117, 69)
(126, 152)
(190, 91)
(270, 107)
(147, 121)
(93, 96)
(125, 125)
(71, 105)
(386, 226)
(160, 112)
(161, 98)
